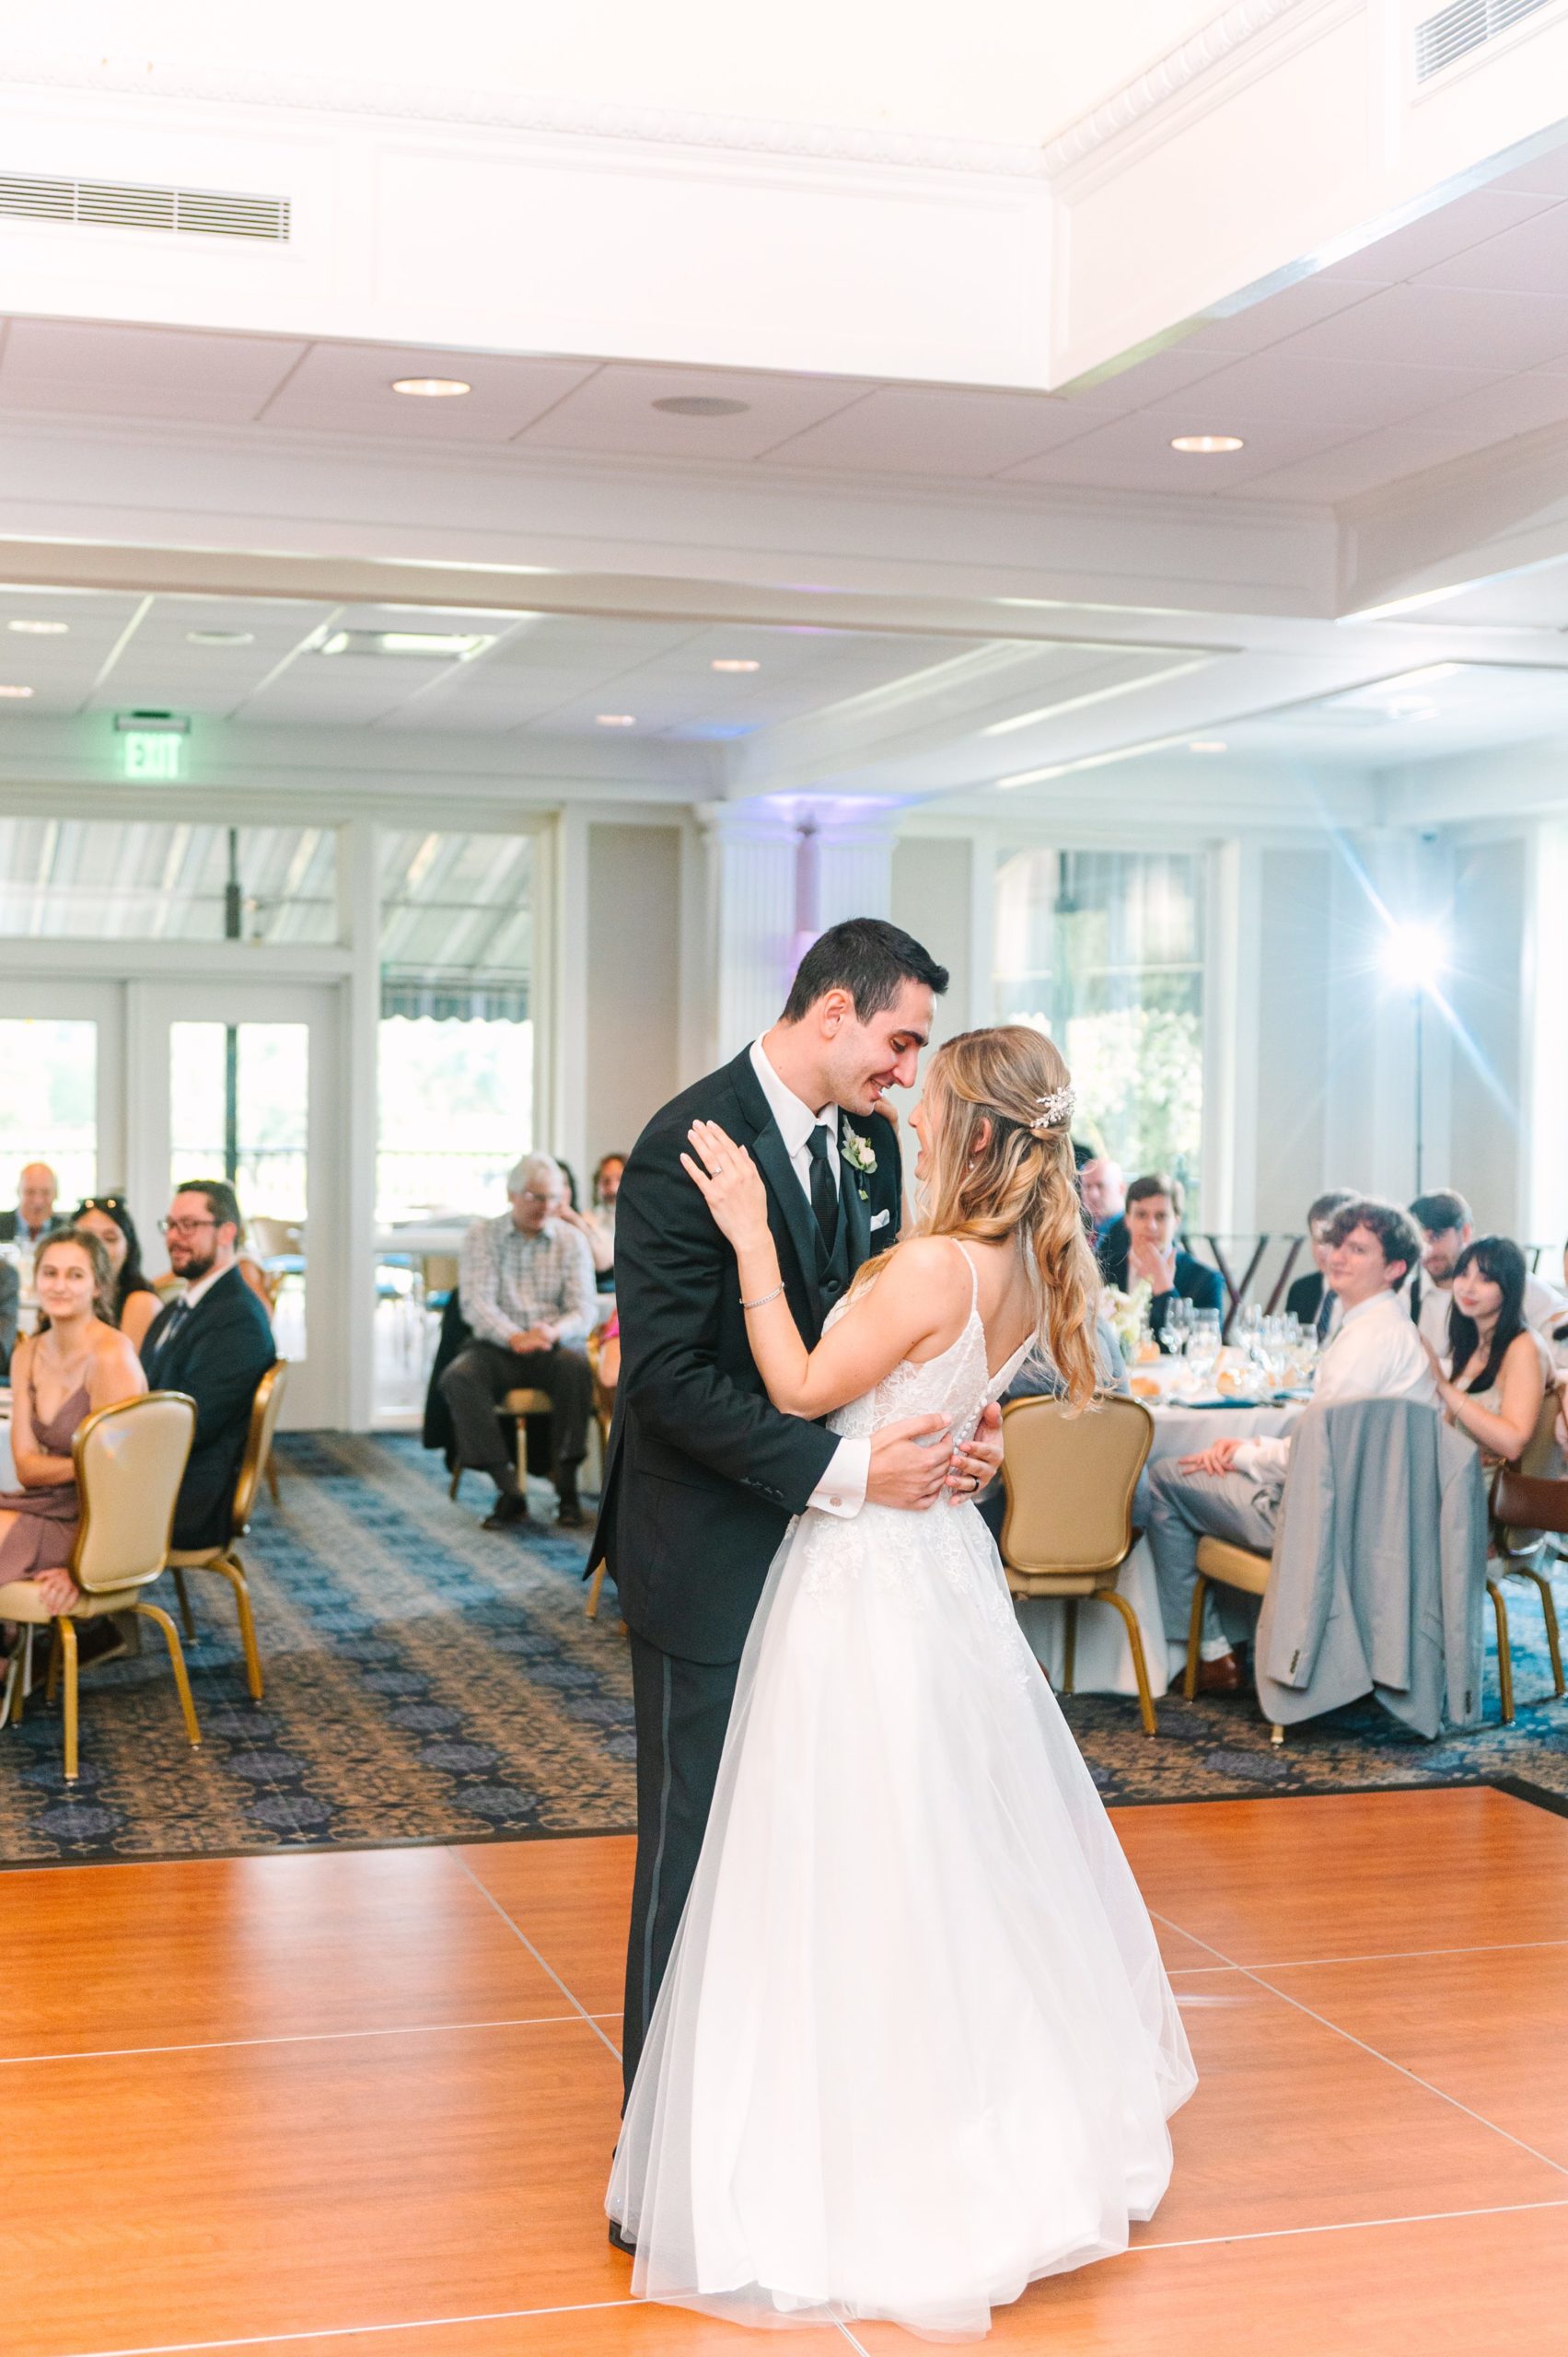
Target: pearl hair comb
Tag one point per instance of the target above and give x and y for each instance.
(1054, 1109)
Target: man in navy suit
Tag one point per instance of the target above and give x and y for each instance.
(1154, 1250)
(214, 1343)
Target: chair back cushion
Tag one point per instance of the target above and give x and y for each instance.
(130, 1461)
(265, 1410)
(1070, 1481)
(1521, 1503)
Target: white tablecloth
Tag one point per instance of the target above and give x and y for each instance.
(1104, 1658)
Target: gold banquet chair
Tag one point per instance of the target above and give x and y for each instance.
(521, 1404)
(130, 1460)
(1221, 1560)
(1524, 1507)
(1068, 1528)
(265, 1410)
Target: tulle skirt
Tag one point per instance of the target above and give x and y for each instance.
(915, 2046)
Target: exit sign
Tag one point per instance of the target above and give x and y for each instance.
(152, 746)
(153, 757)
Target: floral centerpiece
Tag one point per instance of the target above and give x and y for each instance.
(1127, 1315)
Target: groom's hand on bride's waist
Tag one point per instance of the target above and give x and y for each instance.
(909, 1463)
(977, 1464)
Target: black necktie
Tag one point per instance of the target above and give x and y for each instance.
(177, 1316)
(824, 1194)
(1325, 1312)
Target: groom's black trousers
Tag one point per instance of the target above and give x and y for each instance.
(683, 1710)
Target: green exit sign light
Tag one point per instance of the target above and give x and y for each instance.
(152, 746)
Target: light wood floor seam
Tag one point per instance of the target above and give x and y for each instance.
(1343, 2226)
(519, 1932)
(1376, 1956)
(1339, 2030)
(289, 2037)
(356, 2332)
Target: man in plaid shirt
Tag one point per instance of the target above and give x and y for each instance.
(526, 1285)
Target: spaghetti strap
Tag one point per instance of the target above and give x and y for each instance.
(974, 1275)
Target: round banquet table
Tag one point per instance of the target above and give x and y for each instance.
(1104, 1660)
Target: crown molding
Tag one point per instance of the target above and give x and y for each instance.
(1242, 34)
(127, 75)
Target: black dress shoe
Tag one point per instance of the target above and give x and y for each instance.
(570, 1515)
(511, 1509)
(619, 2242)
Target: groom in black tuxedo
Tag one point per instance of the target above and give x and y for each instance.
(703, 1473)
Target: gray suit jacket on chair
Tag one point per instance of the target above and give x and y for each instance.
(1380, 1569)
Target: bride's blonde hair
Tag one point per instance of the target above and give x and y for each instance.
(1021, 1180)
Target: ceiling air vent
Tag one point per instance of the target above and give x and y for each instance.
(1469, 24)
(121, 204)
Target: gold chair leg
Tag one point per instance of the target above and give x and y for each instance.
(22, 1667)
(187, 1618)
(273, 1481)
(52, 1679)
(456, 1477)
(1504, 1660)
(177, 1662)
(1549, 1607)
(1070, 1645)
(1140, 1666)
(1276, 1734)
(594, 1585)
(231, 1568)
(66, 1629)
(1195, 1638)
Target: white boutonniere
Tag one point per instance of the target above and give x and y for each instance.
(856, 1150)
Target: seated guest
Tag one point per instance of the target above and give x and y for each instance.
(526, 1286)
(136, 1303)
(1232, 1490)
(214, 1343)
(1448, 1225)
(1495, 1372)
(1310, 1300)
(1152, 1251)
(599, 1224)
(34, 1214)
(10, 1307)
(75, 1364)
(1103, 1188)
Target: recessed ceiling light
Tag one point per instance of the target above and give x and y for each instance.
(701, 405)
(431, 388)
(736, 663)
(220, 637)
(1208, 745)
(616, 719)
(1205, 445)
(40, 629)
(16, 692)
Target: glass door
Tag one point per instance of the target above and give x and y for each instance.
(62, 1102)
(240, 1084)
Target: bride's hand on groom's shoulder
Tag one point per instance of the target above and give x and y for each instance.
(730, 1182)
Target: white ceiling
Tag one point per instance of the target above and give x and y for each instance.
(1445, 338)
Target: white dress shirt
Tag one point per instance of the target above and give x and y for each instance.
(1375, 1353)
(841, 1490)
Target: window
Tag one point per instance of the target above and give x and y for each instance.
(49, 1106)
(1103, 950)
(457, 1030)
(95, 879)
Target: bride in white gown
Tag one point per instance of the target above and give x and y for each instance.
(916, 2045)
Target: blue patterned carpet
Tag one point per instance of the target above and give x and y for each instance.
(431, 1681)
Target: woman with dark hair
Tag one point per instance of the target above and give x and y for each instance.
(136, 1303)
(1497, 1370)
(77, 1364)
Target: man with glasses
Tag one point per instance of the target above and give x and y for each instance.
(214, 1343)
(525, 1284)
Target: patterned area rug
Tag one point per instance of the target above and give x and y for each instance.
(431, 1681)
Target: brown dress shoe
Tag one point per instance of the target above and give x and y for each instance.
(1222, 1676)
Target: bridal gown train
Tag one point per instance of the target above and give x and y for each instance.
(916, 2045)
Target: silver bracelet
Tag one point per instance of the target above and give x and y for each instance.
(762, 1299)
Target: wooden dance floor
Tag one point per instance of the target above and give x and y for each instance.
(325, 2107)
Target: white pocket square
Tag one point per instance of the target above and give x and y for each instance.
(880, 1219)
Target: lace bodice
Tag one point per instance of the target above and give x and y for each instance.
(956, 1383)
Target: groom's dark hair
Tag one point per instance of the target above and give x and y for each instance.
(867, 956)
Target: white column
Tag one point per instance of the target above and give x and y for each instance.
(752, 857)
(1232, 910)
(854, 867)
(1544, 1061)
(561, 1088)
(359, 930)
